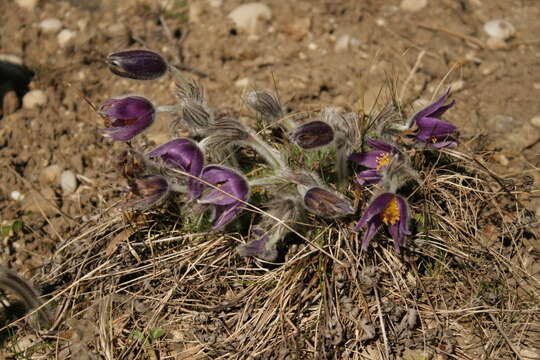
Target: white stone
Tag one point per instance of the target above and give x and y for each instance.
(312, 46)
(342, 43)
(34, 98)
(14, 59)
(51, 174)
(457, 85)
(413, 5)
(65, 36)
(535, 121)
(68, 182)
(16, 195)
(500, 29)
(27, 4)
(242, 83)
(50, 25)
(248, 16)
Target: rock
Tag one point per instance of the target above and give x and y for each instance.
(33, 99)
(10, 103)
(68, 182)
(14, 59)
(500, 29)
(27, 4)
(342, 43)
(242, 83)
(50, 25)
(535, 121)
(247, 17)
(16, 195)
(413, 5)
(51, 174)
(502, 124)
(457, 85)
(65, 36)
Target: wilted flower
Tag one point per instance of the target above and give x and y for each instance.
(151, 190)
(312, 135)
(427, 128)
(125, 117)
(137, 64)
(265, 103)
(326, 204)
(183, 154)
(376, 160)
(265, 237)
(389, 209)
(227, 196)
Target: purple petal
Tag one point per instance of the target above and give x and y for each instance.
(182, 154)
(373, 228)
(137, 64)
(228, 181)
(433, 108)
(259, 246)
(368, 159)
(226, 214)
(374, 209)
(368, 177)
(126, 117)
(381, 145)
(430, 127)
(324, 203)
(312, 135)
(440, 111)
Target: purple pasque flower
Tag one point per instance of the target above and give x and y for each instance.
(389, 209)
(428, 128)
(127, 116)
(137, 64)
(260, 245)
(183, 154)
(376, 160)
(326, 204)
(227, 194)
(312, 135)
(150, 190)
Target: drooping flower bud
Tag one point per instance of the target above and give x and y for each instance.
(312, 135)
(190, 91)
(183, 154)
(150, 190)
(265, 103)
(137, 64)
(125, 117)
(327, 204)
(228, 192)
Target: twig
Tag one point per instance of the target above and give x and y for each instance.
(468, 38)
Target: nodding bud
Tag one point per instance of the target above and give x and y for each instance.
(150, 190)
(260, 246)
(265, 103)
(225, 131)
(196, 116)
(312, 135)
(326, 204)
(190, 92)
(183, 154)
(137, 64)
(125, 117)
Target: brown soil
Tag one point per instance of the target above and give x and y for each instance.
(294, 53)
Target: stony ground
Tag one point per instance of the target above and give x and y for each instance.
(57, 171)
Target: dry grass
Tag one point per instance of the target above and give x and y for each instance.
(148, 286)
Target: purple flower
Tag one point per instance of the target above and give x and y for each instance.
(326, 204)
(312, 135)
(260, 245)
(137, 64)
(227, 196)
(183, 154)
(429, 129)
(376, 160)
(125, 117)
(151, 190)
(389, 209)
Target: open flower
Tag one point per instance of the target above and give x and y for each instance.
(183, 154)
(389, 209)
(137, 64)
(229, 191)
(376, 160)
(125, 117)
(312, 135)
(326, 204)
(428, 128)
(150, 190)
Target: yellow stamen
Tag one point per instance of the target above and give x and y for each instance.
(390, 215)
(434, 139)
(383, 160)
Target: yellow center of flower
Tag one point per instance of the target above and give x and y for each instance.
(390, 215)
(434, 140)
(383, 160)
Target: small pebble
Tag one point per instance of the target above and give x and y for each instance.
(248, 16)
(242, 83)
(535, 121)
(16, 195)
(68, 182)
(501, 29)
(51, 174)
(27, 4)
(342, 43)
(50, 25)
(413, 5)
(457, 85)
(65, 36)
(34, 98)
(14, 59)
(312, 46)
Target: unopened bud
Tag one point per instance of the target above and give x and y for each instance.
(312, 135)
(137, 64)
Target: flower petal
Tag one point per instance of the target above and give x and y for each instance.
(226, 214)
(373, 227)
(430, 109)
(374, 209)
(228, 181)
(324, 203)
(430, 127)
(380, 145)
(312, 135)
(182, 154)
(259, 246)
(368, 159)
(368, 177)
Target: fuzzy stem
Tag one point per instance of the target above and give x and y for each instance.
(342, 170)
(177, 74)
(168, 108)
(267, 180)
(270, 155)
